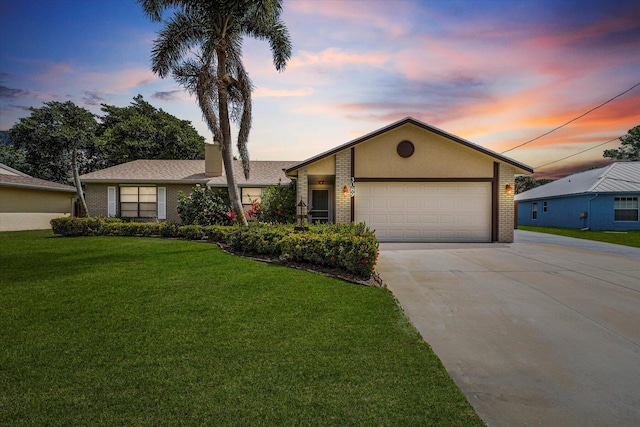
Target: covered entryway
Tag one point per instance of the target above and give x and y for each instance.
(426, 211)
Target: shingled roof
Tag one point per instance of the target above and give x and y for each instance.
(188, 172)
(617, 177)
(22, 180)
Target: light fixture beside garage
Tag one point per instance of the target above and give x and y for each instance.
(508, 189)
(405, 149)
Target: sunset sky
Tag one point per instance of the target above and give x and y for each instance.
(497, 73)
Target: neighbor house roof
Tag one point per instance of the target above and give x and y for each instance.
(188, 172)
(6, 170)
(22, 180)
(618, 177)
(422, 125)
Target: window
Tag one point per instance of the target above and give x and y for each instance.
(138, 202)
(544, 206)
(534, 210)
(625, 209)
(251, 193)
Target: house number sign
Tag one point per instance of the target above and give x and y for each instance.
(352, 190)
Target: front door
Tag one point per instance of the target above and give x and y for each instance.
(320, 207)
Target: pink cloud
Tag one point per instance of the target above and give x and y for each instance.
(334, 58)
(121, 80)
(261, 92)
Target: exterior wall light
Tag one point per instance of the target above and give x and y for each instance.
(508, 189)
(320, 181)
(345, 191)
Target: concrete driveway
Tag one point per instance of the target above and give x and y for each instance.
(533, 333)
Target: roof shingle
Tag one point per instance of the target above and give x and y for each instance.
(33, 183)
(188, 171)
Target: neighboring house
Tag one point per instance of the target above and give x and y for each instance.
(412, 182)
(28, 203)
(599, 199)
(148, 189)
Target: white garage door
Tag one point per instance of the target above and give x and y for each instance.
(426, 212)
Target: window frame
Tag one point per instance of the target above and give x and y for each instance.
(544, 207)
(139, 208)
(534, 210)
(622, 211)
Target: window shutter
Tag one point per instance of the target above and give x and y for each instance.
(162, 203)
(111, 201)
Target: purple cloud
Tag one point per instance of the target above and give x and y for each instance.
(167, 96)
(92, 98)
(12, 93)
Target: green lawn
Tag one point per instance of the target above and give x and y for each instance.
(627, 238)
(142, 331)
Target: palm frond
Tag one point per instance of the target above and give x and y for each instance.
(177, 38)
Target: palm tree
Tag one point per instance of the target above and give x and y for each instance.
(201, 46)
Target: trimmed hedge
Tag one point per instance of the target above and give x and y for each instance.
(348, 247)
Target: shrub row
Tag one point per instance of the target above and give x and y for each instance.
(349, 247)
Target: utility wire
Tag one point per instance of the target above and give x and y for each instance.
(580, 152)
(573, 120)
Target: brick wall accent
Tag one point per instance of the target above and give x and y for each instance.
(172, 199)
(505, 203)
(303, 188)
(96, 197)
(343, 178)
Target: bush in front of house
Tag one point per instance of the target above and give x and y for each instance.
(72, 226)
(203, 206)
(352, 248)
(349, 247)
(278, 205)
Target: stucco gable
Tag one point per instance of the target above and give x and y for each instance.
(519, 167)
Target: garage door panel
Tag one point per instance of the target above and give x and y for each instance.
(426, 212)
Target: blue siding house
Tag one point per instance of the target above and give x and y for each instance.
(599, 199)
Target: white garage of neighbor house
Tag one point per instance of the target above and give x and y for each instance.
(412, 182)
(28, 203)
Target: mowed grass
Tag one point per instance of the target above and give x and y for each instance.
(140, 331)
(626, 238)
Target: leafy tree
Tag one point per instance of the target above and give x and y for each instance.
(629, 149)
(201, 46)
(525, 183)
(141, 131)
(14, 157)
(58, 143)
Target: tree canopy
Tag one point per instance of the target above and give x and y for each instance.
(42, 145)
(525, 183)
(141, 131)
(48, 137)
(200, 45)
(629, 148)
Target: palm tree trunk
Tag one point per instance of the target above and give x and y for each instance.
(225, 127)
(76, 181)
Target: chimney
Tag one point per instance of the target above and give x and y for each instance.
(212, 160)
